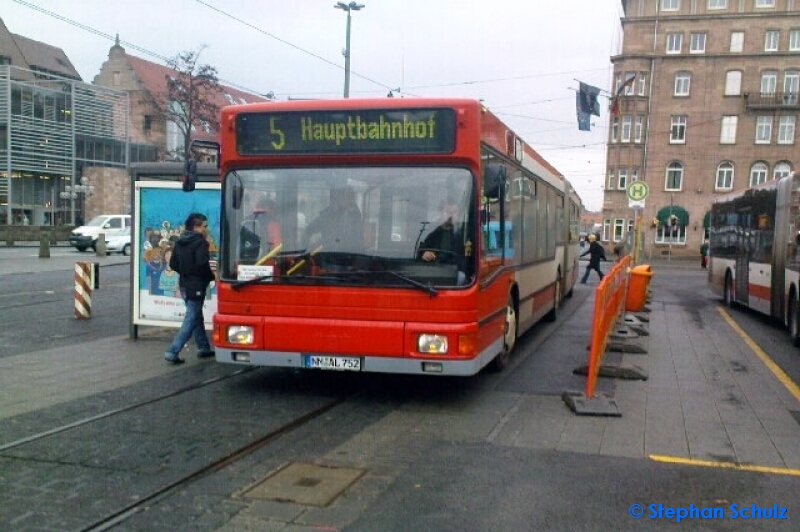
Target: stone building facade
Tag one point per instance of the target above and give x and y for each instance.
(704, 102)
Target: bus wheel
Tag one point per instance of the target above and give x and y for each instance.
(794, 321)
(553, 314)
(728, 291)
(509, 337)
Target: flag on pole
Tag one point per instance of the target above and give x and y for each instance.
(620, 91)
(586, 104)
(588, 99)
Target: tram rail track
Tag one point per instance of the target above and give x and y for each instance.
(115, 411)
(110, 521)
(27, 449)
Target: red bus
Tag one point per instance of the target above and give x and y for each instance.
(754, 253)
(417, 236)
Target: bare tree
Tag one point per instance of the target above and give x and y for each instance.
(190, 98)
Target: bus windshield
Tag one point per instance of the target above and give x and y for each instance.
(349, 226)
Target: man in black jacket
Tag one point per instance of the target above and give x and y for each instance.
(596, 254)
(191, 260)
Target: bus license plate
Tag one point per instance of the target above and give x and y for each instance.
(333, 363)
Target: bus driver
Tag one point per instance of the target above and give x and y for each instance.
(339, 224)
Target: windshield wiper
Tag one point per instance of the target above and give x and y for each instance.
(285, 278)
(424, 287)
(253, 280)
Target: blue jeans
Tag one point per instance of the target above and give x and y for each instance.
(589, 269)
(192, 326)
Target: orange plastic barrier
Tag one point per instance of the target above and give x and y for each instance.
(637, 288)
(609, 298)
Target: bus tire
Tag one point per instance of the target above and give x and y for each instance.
(728, 290)
(500, 362)
(794, 320)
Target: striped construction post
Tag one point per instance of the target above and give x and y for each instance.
(83, 290)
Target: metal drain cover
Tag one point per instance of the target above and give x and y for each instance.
(309, 484)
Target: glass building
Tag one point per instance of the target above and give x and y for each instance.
(51, 129)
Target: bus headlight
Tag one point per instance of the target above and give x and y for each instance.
(240, 334)
(435, 344)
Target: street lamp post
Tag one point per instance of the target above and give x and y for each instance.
(352, 6)
(78, 191)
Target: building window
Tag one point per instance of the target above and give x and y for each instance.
(794, 40)
(724, 179)
(782, 169)
(611, 180)
(791, 87)
(626, 128)
(638, 127)
(614, 129)
(634, 175)
(717, 4)
(758, 174)
(737, 41)
(619, 229)
(786, 129)
(670, 5)
(623, 178)
(769, 81)
(641, 84)
(698, 43)
(682, 82)
(728, 131)
(763, 129)
(667, 234)
(771, 38)
(148, 123)
(629, 89)
(674, 178)
(674, 43)
(677, 133)
(733, 83)
(230, 99)
(765, 3)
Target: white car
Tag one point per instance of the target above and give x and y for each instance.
(120, 243)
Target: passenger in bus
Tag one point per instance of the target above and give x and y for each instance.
(445, 244)
(596, 254)
(339, 226)
(260, 232)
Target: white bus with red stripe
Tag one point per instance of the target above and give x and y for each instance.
(754, 250)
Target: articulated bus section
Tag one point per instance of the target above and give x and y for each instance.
(755, 250)
(415, 236)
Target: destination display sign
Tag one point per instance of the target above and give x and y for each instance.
(363, 131)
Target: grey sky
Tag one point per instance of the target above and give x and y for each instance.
(520, 57)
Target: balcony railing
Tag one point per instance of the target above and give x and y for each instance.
(771, 101)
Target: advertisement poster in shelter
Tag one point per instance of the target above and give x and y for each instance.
(161, 208)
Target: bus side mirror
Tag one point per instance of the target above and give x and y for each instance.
(494, 180)
(189, 175)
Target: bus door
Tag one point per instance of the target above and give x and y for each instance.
(743, 267)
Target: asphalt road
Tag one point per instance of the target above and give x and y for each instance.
(37, 305)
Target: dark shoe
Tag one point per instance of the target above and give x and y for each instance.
(174, 360)
(205, 354)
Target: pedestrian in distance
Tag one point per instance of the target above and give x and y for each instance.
(596, 254)
(192, 260)
(704, 255)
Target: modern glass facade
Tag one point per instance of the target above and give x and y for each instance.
(51, 128)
